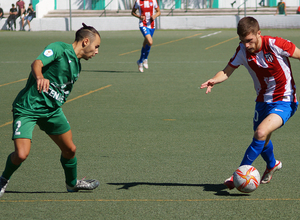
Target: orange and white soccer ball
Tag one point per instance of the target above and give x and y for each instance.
(246, 178)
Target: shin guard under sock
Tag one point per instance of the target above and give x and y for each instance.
(268, 155)
(10, 168)
(142, 57)
(70, 168)
(253, 151)
(147, 51)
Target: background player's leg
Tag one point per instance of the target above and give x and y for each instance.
(148, 41)
(149, 44)
(146, 47)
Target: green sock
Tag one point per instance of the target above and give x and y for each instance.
(10, 168)
(70, 168)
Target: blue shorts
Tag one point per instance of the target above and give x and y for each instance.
(284, 109)
(28, 17)
(145, 31)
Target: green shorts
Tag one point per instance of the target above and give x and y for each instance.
(53, 123)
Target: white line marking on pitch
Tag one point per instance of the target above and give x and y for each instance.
(211, 34)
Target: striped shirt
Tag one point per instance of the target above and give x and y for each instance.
(147, 9)
(269, 68)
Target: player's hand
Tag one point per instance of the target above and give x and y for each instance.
(143, 17)
(209, 84)
(151, 19)
(42, 84)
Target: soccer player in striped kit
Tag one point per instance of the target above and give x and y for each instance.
(148, 11)
(267, 60)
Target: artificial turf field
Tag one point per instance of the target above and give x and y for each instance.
(160, 147)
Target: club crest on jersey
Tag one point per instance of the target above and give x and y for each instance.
(150, 4)
(48, 53)
(269, 57)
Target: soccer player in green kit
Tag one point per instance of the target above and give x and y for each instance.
(51, 80)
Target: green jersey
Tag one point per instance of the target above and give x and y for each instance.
(281, 6)
(61, 67)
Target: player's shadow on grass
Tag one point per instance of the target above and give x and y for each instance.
(107, 71)
(42, 192)
(219, 189)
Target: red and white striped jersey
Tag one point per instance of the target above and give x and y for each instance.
(146, 8)
(269, 68)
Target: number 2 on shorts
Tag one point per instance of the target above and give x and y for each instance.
(17, 132)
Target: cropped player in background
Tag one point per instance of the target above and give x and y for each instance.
(266, 59)
(148, 11)
(281, 9)
(29, 15)
(51, 80)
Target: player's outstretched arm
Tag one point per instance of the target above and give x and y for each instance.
(221, 76)
(36, 70)
(296, 54)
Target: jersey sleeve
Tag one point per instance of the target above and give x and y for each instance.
(236, 60)
(155, 4)
(285, 47)
(50, 53)
(136, 4)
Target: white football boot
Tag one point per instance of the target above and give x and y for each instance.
(145, 64)
(266, 178)
(83, 185)
(140, 66)
(3, 185)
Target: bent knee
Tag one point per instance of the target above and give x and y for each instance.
(19, 156)
(69, 152)
(260, 134)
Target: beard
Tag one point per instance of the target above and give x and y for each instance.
(254, 48)
(251, 50)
